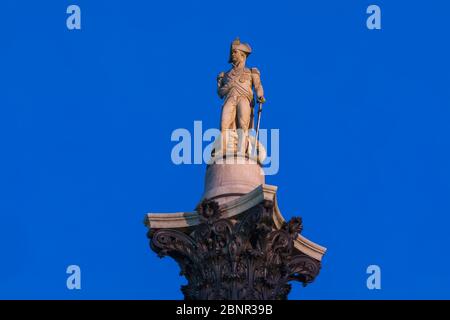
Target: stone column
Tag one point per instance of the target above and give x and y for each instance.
(236, 244)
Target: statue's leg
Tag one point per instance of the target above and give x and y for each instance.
(243, 121)
(227, 121)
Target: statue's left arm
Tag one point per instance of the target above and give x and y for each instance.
(256, 80)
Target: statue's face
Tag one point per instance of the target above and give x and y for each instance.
(237, 56)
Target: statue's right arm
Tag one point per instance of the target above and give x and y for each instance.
(221, 88)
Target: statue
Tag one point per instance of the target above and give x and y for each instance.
(235, 87)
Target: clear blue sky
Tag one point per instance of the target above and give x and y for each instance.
(86, 118)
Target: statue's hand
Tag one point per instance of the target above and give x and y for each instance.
(261, 100)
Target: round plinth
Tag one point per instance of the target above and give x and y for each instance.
(231, 178)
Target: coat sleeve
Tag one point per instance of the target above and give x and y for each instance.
(256, 79)
(221, 90)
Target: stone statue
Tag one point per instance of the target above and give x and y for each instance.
(235, 87)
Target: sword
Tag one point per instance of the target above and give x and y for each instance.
(257, 128)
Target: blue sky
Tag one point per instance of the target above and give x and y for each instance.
(86, 118)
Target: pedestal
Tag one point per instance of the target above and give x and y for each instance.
(231, 178)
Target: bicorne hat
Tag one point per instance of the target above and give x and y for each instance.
(244, 47)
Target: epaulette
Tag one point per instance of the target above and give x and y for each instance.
(255, 70)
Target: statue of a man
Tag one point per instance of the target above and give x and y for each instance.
(236, 88)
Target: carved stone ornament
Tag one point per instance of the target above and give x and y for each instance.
(243, 257)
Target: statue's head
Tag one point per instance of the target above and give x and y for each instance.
(239, 52)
